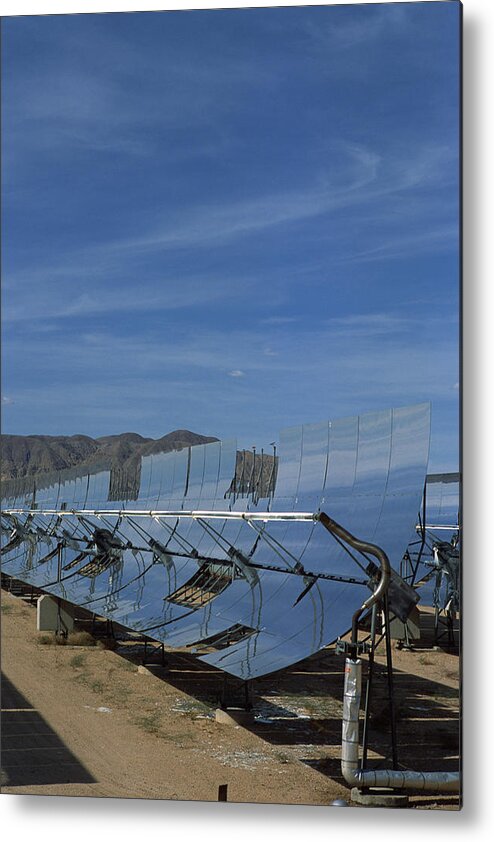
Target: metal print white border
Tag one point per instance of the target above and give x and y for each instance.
(334, 821)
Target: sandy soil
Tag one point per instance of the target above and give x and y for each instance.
(87, 721)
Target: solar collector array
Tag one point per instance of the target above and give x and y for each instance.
(366, 472)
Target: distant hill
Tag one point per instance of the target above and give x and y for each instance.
(26, 456)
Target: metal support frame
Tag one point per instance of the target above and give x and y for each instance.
(225, 699)
(390, 682)
(387, 616)
(368, 690)
(445, 618)
(161, 647)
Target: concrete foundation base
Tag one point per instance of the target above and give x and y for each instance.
(234, 716)
(54, 614)
(379, 797)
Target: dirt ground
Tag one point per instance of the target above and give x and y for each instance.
(89, 721)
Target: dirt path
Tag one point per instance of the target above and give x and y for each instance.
(86, 721)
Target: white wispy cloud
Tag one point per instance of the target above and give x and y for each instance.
(399, 246)
(81, 282)
(366, 180)
(41, 296)
(90, 381)
(123, 99)
(159, 383)
(278, 320)
(370, 324)
(219, 223)
(345, 31)
(350, 346)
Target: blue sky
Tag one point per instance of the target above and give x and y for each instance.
(230, 221)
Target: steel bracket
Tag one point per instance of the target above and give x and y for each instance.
(345, 647)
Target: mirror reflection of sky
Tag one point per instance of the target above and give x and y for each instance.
(231, 221)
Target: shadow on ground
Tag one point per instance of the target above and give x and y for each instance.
(300, 708)
(297, 710)
(32, 752)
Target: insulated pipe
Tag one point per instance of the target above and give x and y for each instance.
(363, 547)
(353, 774)
(389, 778)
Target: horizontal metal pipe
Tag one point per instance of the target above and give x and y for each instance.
(157, 513)
(390, 778)
(437, 527)
(214, 514)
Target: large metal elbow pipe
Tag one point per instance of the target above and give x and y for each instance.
(363, 547)
(350, 766)
(389, 778)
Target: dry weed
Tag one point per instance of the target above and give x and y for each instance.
(78, 661)
(80, 638)
(47, 639)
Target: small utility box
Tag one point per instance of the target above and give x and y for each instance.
(54, 615)
(406, 631)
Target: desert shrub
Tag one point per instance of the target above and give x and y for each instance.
(81, 638)
(46, 638)
(77, 661)
(149, 722)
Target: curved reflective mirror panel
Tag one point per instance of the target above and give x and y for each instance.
(264, 582)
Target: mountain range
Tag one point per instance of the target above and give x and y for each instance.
(25, 456)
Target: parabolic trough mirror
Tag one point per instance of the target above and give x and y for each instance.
(208, 547)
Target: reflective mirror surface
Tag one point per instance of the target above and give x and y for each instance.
(281, 588)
